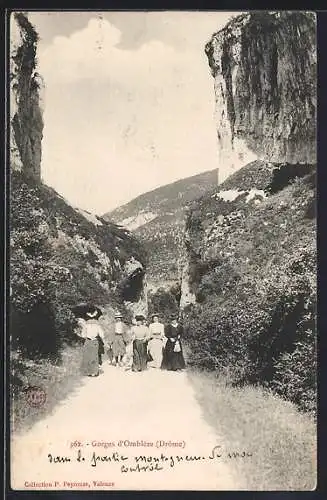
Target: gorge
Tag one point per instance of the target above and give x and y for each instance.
(243, 252)
(235, 259)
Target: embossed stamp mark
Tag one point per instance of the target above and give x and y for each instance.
(35, 396)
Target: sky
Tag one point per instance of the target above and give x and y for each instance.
(128, 102)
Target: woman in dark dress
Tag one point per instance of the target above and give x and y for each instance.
(140, 336)
(173, 358)
(100, 349)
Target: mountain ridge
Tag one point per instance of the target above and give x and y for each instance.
(157, 219)
(180, 186)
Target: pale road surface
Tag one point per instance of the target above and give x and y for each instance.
(150, 406)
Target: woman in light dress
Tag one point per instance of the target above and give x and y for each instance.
(118, 345)
(156, 342)
(91, 332)
(140, 334)
(128, 356)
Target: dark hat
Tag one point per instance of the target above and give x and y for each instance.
(87, 311)
(94, 313)
(139, 317)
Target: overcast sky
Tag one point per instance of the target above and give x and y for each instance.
(129, 101)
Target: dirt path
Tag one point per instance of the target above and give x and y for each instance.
(117, 406)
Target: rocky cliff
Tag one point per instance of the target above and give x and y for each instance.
(251, 243)
(59, 255)
(26, 88)
(264, 69)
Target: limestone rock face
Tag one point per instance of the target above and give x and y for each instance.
(264, 66)
(26, 86)
(135, 281)
(187, 296)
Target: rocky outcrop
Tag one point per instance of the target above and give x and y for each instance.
(26, 85)
(187, 296)
(264, 66)
(133, 287)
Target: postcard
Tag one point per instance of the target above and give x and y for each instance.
(162, 178)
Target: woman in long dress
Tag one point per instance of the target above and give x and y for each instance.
(108, 328)
(140, 338)
(173, 358)
(91, 331)
(128, 356)
(118, 345)
(100, 349)
(156, 342)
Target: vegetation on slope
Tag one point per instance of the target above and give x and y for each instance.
(162, 239)
(161, 235)
(165, 302)
(253, 272)
(166, 198)
(58, 258)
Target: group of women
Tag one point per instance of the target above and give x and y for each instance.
(136, 347)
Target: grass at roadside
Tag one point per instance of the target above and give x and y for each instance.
(282, 440)
(57, 380)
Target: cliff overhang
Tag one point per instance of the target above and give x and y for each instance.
(264, 66)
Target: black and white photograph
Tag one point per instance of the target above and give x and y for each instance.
(162, 250)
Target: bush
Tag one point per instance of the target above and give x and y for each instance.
(295, 373)
(255, 284)
(164, 302)
(219, 335)
(218, 276)
(285, 174)
(270, 342)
